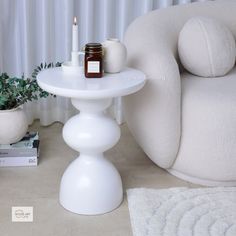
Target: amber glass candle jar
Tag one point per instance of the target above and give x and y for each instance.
(93, 62)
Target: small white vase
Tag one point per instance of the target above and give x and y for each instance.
(115, 54)
(13, 125)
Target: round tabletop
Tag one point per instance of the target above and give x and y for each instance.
(57, 82)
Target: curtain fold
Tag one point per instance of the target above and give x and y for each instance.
(35, 31)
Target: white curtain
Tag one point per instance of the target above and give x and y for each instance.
(35, 31)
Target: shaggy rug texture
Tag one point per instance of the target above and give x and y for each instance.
(183, 211)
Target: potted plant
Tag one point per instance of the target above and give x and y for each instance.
(14, 92)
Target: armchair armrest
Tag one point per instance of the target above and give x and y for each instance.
(153, 114)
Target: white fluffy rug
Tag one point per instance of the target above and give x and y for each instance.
(183, 211)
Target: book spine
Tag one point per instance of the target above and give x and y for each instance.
(18, 152)
(18, 161)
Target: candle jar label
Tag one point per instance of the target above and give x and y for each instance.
(93, 67)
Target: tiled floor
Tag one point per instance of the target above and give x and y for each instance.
(39, 186)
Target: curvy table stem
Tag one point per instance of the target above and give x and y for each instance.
(91, 184)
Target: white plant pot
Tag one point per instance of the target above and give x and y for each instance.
(115, 54)
(13, 125)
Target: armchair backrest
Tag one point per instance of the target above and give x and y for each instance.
(159, 29)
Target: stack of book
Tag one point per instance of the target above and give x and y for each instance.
(23, 153)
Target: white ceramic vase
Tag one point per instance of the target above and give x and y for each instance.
(13, 125)
(114, 55)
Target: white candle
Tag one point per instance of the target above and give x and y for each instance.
(75, 44)
(75, 36)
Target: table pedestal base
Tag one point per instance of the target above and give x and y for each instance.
(91, 184)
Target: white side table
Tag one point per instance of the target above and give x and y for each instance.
(91, 184)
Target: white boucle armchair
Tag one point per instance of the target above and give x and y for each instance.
(184, 125)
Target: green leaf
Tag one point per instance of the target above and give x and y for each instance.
(17, 91)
